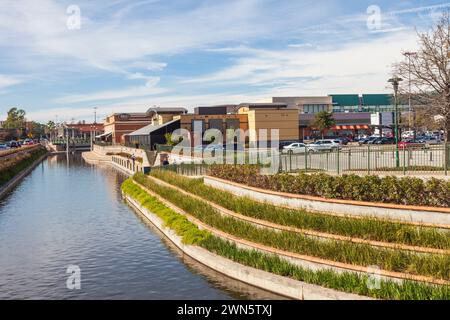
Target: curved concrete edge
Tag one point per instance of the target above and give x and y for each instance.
(436, 219)
(305, 261)
(277, 284)
(16, 180)
(310, 233)
(94, 158)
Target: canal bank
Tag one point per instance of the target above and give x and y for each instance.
(66, 212)
(265, 280)
(17, 178)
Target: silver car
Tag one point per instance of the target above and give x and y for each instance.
(325, 145)
(295, 148)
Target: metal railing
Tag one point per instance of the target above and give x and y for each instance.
(367, 159)
(185, 169)
(370, 159)
(71, 141)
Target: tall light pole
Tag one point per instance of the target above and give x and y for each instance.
(395, 81)
(409, 55)
(95, 115)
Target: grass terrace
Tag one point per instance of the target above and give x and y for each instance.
(346, 281)
(364, 228)
(431, 265)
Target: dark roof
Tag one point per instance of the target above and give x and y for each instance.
(150, 128)
(345, 99)
(263, 105)
(377, 99)
(219, 109)
(159, 110)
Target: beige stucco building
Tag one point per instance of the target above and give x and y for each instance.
(307, 104)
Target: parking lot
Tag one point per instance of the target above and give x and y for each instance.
(367, 158)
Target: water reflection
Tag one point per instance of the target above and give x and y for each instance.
(67, 212)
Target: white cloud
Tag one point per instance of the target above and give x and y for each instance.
(7, 81)
(139, 91)
(354, 67)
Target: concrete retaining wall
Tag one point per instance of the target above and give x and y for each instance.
(439, 219)
(258, 278)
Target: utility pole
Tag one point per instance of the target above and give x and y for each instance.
(395, 81)
(95, 115)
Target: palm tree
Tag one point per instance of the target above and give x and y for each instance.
(323, 121)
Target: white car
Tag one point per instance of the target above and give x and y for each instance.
(324, 145)
(295, 148)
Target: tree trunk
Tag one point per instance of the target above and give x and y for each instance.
(447, 144)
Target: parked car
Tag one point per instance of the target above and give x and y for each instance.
(286, 143)
(384, 140)
(324, 145)
(296, 147)
(13, 144)
(429, 140)
(367, 140)
(28, 142)
(343, 140)
(3, 146)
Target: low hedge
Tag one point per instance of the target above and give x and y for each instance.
(17, 165)
(391, 189)
(343, 281)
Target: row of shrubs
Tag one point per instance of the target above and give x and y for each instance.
(390, 189)
(13, 166)
(343, 281)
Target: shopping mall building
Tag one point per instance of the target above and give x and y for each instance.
(293, 117)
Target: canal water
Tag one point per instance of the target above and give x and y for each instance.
(69, 213)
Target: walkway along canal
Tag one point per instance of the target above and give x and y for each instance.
(67, 212)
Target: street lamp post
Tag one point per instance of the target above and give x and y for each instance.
(395, 81)
(92, 142)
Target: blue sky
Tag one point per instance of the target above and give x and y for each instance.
(129, 55)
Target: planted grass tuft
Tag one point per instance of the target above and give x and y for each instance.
(182, 226)
(364, 228)
(346, 282)
(433, 265)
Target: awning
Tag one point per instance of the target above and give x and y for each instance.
(105, 135)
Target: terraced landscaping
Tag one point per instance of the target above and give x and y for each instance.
(424, 264)
(363, 228)
(390, 189)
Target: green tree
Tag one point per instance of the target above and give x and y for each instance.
(37, 130)
(15, 119)
(323, 121)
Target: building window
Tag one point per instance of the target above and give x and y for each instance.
(216, 124)
(232, 124)
(198, 125)
(314, 108)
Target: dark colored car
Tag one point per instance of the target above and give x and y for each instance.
(367, 140)
(343, 140)
(13, 144)
(384, 140)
